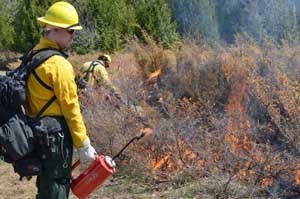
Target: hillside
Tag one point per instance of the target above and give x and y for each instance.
(225, 122)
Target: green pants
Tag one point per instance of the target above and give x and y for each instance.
(54, 180)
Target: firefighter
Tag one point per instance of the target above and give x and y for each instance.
(59, 25)
(95, 73)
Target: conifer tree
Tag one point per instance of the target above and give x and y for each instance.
(6, 27)
(106, 23)
(196, 19)
(27, 30)
(280, 19)
(154, 16)
(258, 18)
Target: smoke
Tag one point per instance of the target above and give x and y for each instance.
(211, 20)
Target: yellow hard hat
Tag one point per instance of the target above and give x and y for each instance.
(61, 14)
(105, 57)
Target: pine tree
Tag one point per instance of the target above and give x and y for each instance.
(6, 26)
(154, 16)
(229, 18)
(106, 23)
(26, 27)
(196, 19)
(259, 19)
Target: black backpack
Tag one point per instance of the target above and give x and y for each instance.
(17, 141)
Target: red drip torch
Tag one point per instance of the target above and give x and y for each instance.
(99, 170)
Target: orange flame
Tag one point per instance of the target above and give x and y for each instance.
(154, 74)
(146, 131)
(237, 127)
(160, 163)
(297, 176)
(266, 182)
(167, 162)
(237, 122)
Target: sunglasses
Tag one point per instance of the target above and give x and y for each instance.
(70, 31)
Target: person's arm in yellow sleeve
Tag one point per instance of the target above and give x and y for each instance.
(102, 74)
(66, 93)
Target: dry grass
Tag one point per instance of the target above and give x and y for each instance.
(11, 187)
(225, 121)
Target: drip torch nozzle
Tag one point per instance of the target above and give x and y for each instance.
(142, 134)
(138, 137)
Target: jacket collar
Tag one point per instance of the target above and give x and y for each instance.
(48, 44)
(45, 43)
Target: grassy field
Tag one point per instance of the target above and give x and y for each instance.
(126, 187)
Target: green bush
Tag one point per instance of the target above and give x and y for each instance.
(26, 27)
(154, 16)
(6, 28)
(106, 23)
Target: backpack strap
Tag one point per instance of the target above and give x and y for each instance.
(44, 108)
(37, 58)
(41, 81)
(32, 59)
(90, 69)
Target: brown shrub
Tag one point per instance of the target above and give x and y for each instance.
(232, 110)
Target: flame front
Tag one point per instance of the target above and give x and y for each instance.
(297, 175)
(154, 74)
(168, 163)
(237, 123)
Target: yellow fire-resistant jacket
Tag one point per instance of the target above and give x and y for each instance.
(57, 73)
(99, 75)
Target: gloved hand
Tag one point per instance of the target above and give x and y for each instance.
(86, 153)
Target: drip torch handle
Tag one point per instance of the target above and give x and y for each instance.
(75, 164)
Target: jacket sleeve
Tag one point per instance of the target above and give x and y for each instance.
(102, 73)
(65, 90)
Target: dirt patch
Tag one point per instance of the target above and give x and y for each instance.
(12, 187)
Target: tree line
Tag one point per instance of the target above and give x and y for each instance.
(109, 24)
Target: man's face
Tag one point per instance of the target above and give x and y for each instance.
(106, 64)
(63, 37)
